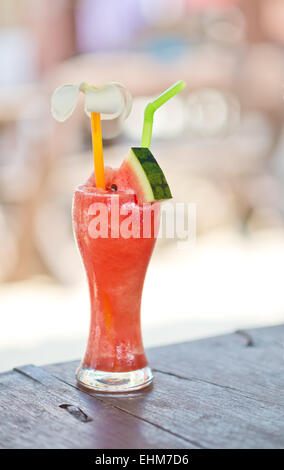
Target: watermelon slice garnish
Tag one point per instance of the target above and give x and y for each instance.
(141, 173)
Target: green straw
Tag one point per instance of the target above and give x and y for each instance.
(153, 106)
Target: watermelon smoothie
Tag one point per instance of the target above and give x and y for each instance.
(116, 220)
(116, 269)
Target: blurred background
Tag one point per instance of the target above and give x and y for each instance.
(232, 277)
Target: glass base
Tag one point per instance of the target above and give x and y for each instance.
(114, 381)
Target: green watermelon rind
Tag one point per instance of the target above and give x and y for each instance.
(149, 173)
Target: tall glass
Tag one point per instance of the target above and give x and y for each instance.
(116, 260)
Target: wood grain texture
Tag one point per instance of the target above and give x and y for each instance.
(250, 361)
(34, 415)
(222, 392)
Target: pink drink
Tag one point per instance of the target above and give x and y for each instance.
(115, 268)
(116, 257)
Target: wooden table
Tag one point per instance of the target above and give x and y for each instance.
(222, 392)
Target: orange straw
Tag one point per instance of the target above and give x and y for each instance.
(98, 150)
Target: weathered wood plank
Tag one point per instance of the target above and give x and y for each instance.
(249, 361)
(214, 392)
(39, 411)
(208, 415)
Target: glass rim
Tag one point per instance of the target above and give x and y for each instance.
(103, 193)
